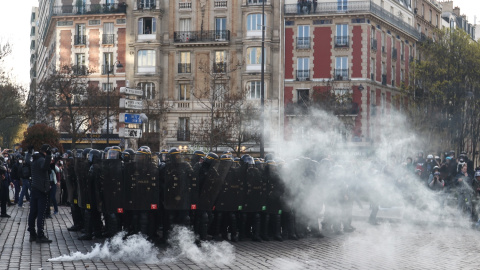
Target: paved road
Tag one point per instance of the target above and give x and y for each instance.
(387, 246)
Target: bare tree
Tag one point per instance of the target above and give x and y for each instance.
(78, 105)
(156, 112)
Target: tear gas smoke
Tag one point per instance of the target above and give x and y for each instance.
(136, 248)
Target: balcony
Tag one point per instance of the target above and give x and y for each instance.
(184, 68)
(341, 41)
(220, 67)
(374, 44)
(108, 39)
(209, 36)
(80, 70)
(88, 9)
(303, 75)
(303, 43)
(107, 68)
(220, 4)
(394, 54)
(356, 7)
(256, 2)
(384, 79)
(340, 74)
(79, 40)
(185, 6)
(183, 135)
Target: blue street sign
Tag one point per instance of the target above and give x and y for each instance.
(132, 118)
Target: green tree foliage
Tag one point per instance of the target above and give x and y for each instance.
(40, 134)
(444, 96)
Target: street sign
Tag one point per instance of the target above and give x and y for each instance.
(131, 104)
(130, 132)
(129, 118)
(131, 91)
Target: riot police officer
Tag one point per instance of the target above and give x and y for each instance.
(72, 190)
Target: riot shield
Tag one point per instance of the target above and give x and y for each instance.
(112, 185)
(178, 179)
(92, 186)
(255, 195)
(81, 171)
(275, 190)
(70, 181)
(232, 194)
(213, 184)
(141, 186)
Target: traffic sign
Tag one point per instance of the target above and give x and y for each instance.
(129, 118)
(131, 91)
(130, 132)
(131, 104)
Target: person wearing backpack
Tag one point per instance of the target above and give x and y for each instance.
(25, 178)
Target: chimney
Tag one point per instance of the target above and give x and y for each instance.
(456, 11)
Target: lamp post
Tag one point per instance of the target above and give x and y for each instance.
(119, 65)
(262, 91)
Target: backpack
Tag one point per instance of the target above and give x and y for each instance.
(25, 172)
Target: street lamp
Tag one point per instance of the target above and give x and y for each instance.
(110, 70)
(262, 89)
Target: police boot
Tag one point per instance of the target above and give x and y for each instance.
(77, 218)
(277, 223)
(203, 226)
(111, 223)
(243, 224)
(264, 225)
(143, 223)
(256, 228)
(217, 227)
(233, 228)
(88, 226)
(97, 224)
(291, 227)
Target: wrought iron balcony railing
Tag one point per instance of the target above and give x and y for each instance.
(257, 2)
(183, 135)
(201, 36)
(80, 40)
(352, 7)
(184, 68)
(220, 67)
(107, 68)
(374, 44)
(108, 39)
(89, 9)
(341, 41)
(79, 70)
(303, 42)
(303, 75)
(340, 74)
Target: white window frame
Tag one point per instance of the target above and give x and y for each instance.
(255, 90)
(254, 55)
(185, 89)
(254, 25)
(140, 28)
(148, 89)
(146, 61)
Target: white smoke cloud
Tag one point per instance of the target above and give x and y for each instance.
(136, 248)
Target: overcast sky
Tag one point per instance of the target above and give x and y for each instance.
(15, 28)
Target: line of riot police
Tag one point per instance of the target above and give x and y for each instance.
(218, 197)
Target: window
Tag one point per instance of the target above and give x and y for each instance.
(185, 65)
(79, 67)
(183, 132)
(184, 24)
(303, 98)
(342, 5)
(431, 16)
(151, 126)
(146, 4)
(146, 61)
(148, 89)
(108, 36)
(107, 63)
(341, 38)
(220, 65)
(220, 28)
(394, 74)
(341, 68)
(436, 21)
(184, 92)
(254, 22)
(383, 102)
(303, 71)
(384, 42)
(80, 38)
(219, 92)
(255, 90)
(372, 69)
(401, 75)
(303, 37)
(254, 60)
(32, 31)
(107, 86)
(147, 26)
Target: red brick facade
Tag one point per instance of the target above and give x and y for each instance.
(322, 53)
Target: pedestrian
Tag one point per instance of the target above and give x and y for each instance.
(24, 172)
(40, 187)
(315, 3)
(4, 185)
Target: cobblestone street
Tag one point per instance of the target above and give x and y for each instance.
(387, 246)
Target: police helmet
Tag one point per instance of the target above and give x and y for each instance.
(85, 152)
(144, 149)
(174, 155)
(268, 157)
(435, 168)
(430, 156)
(226, 157)
(236, 160)
(199, 153)
(94, 156)
(477, 173)
(247, 159)
(126, 156)
(69, 154)
(113, 153)
(211, 157)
